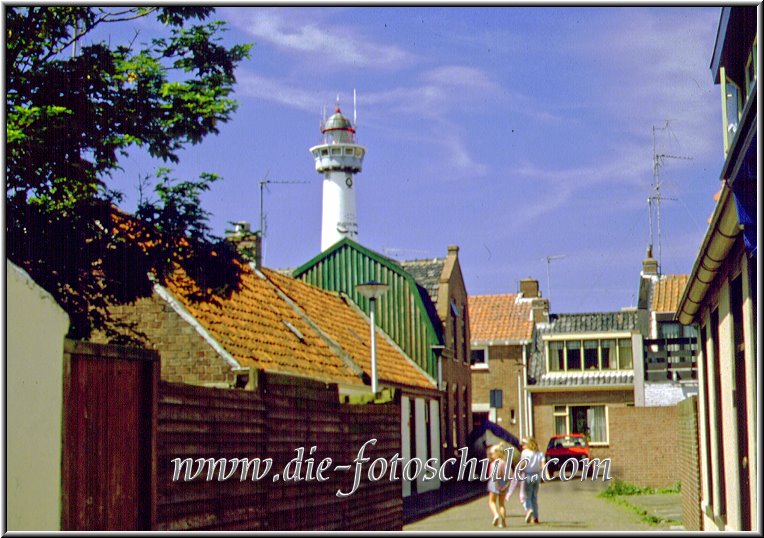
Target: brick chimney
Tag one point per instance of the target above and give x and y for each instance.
(529, 290)
(247, 242)
(649, 264)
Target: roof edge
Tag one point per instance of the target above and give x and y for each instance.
(179, 309)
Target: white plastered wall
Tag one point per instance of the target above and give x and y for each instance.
(36, 326)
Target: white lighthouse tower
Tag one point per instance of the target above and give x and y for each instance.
(338, 158)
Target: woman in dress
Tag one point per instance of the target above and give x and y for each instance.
(497, 483)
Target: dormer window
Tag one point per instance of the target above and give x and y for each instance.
(589, 355)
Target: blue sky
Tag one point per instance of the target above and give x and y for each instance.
(515, 133)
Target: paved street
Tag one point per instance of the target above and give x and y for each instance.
(563, 506)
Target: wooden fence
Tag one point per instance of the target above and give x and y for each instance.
(123, 428)
(281, 415)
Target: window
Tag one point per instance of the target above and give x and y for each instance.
(556, 357)
(573, 349)
(560, 419)
(479, 357)
(589, 355)
(607, 355)
(591, 420)
(591, 360)
(751, 68)
(454, 416)
(731, 108)
(624, 353)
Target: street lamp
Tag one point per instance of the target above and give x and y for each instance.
(372, 290)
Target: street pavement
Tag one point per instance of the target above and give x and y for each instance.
(563, 506)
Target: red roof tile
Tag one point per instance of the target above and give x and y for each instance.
(667, 292)
(499, 317)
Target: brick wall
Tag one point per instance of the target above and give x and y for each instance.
(644, 445)
(543, 412)
(689, 463)
(504, 364)
(455, 368)
(186, 356)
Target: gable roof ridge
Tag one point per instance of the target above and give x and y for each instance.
(333, 345)
(391, 341)
(167, 296)
(432, 327)
(384, 260)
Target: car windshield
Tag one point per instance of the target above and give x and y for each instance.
(566, 442)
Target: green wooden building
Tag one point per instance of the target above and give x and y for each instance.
(405, 312)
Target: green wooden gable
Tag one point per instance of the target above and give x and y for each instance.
(405, 312)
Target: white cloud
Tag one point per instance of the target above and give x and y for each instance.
(656, 69)
(284, 92)
(334, 46)
(650, 70)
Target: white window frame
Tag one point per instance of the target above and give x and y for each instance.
(567, 420)
(483, 365)
(581, 338)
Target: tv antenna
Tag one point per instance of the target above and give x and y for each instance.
(658, 159)
(548, 260)
(397, 252)
(263, 187)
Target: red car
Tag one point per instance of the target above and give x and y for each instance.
(565, 447)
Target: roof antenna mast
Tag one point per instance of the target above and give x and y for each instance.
(657, 163)
(548, 260)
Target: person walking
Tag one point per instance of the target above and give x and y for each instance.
(534, 463)
(497, 484)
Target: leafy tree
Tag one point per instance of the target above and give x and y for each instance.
(74, 105)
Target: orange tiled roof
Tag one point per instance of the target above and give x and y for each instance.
(499, 317)
(249, 324)
(350, 329)
(667, 292)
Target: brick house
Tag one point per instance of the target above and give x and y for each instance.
(276, 323)
(720, 295)
(502, 337)
(443, 281)
(581, 367)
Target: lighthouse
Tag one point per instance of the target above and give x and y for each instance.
(338, 158)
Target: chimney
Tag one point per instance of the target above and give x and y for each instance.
(540, 310)
(247, 243)
(529, 288)
(649, 264)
